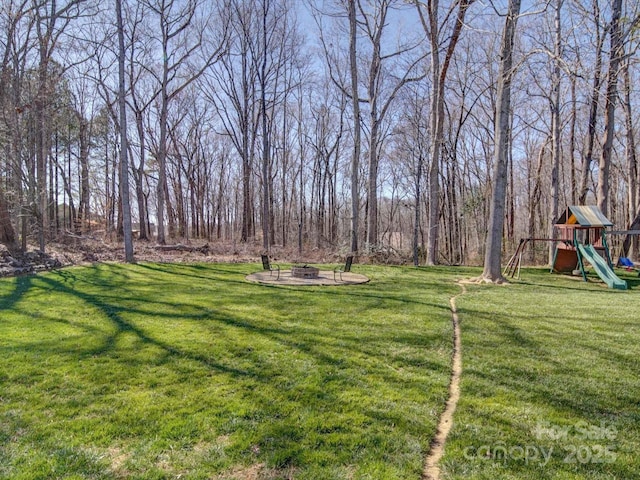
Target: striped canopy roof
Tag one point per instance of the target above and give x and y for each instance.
(585, 216)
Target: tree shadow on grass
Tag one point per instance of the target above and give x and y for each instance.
(114, 314)
(317, 346)
(202, 272)
(336, 292)
(544, 371)
(347, 366)
(21, 285)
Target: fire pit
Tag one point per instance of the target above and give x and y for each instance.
(304, 271)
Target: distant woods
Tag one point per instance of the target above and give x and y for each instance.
(369, 125)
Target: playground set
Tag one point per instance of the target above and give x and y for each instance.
(582, 237)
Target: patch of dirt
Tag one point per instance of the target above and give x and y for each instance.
(436, 450)
(118, 458)
(483, 280)
(257, 472)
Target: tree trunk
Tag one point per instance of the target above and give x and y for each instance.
(416, 213)
(124, 163)
(138, 176)
(615, 56)
(628, 239)
(355, 160)
(266, 159)
(433, 219)
(7, 233)
(593, 109)
(41, 150)
(555, 129)
(162, 161)
(572, 141)
(437, 117)
(372, 183)
(84, 209)
(632, 161)
(493, 255)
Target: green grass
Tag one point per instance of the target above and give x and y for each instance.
(551, 377)
(160, 371)
(157, 371)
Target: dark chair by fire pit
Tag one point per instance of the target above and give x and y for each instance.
(345, 269)
(267, 265)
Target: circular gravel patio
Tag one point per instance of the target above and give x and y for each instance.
(325, 277)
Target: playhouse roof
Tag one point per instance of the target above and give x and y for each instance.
(585, 216)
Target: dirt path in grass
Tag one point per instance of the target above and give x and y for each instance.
(431, 467)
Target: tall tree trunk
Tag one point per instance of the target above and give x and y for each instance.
(433, 219)
(372, 181)
(246, 147)
(138, 176)
(108, 225)
(418, 200)
(534, 197)
(492, 262)
(124, 163)
(572, 141)
(162, 160)
(374, 133)
(53, 190)
(632, 162)
(266, 159)
(615, 56)
(593, 108)
(355, 159)
(247, 206)
(83, 139)
(437, 116)
(42, 123)
(632, 165)
(555, 129)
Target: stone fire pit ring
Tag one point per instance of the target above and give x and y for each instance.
(306, 276)
(304, 271)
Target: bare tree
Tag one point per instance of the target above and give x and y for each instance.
(414, 148)
(181, 43)
(355, 100)
(617, 35)
(594, 102)
(379, 102)
(277, 52)
(378, 58)
(266, 140)
(8, 56)
(439, 69)
(139, 101)
(492, 262)
(555, 124)
(231, 88)
(51, 21)
(124, 162)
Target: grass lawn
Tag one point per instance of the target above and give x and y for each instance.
(551, 381)
(158, 371)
